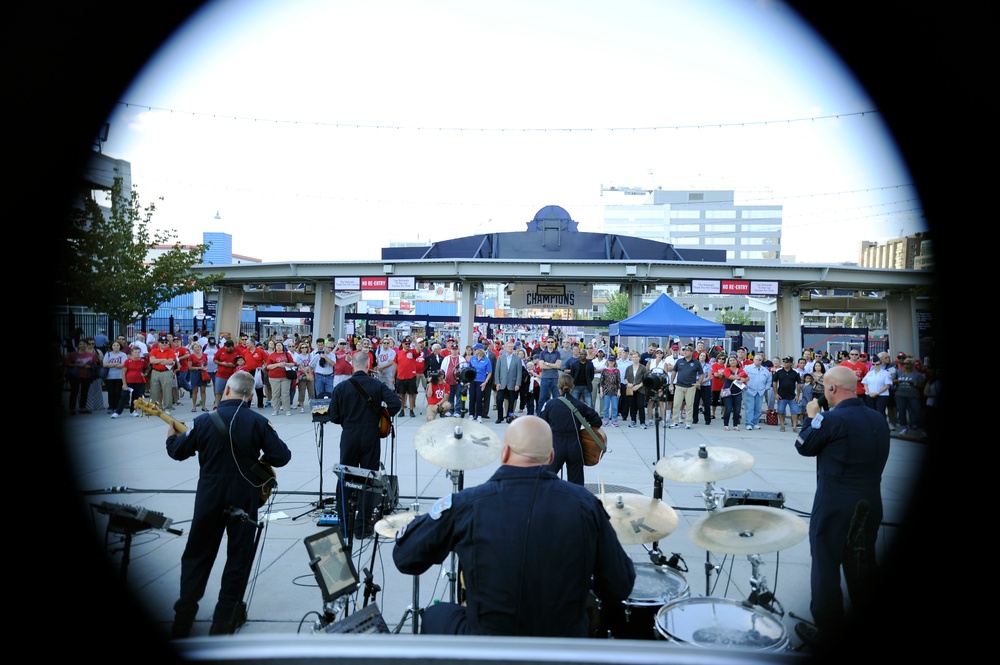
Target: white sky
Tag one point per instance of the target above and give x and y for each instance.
(321, 130)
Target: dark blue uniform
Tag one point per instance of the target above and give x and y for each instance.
(851, 447)
(223, 482)
(519, 581)
(566, 435)
(359, 441)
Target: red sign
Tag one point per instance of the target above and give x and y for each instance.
(375, 283)
(735, 287)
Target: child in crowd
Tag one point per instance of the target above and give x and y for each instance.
(807, 391)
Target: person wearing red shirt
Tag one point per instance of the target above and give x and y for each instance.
(342, 367)
(718, 379)
(134, 377)
(225, 361)
(859, 368)
(162, 359)
(181, 370)
(409, 363)
(255, 357)
(277, 365)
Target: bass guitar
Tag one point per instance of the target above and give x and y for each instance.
(263, 472)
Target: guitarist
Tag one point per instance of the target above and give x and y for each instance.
(225, 483)
(355, 407)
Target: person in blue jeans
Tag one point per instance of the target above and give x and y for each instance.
(550, 360)
(610, 386)
(758, 382)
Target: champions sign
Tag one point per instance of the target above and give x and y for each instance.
(550, 296)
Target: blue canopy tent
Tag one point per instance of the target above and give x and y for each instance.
(665, 318)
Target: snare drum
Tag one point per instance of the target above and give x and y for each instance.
(633, 619)
(721, 623)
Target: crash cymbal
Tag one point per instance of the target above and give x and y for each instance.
(748, 530)
(639, 519)
(705, 464)
(452, 443)
(389, 525)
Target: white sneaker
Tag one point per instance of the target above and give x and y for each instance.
(687, 427)
(479, 419)
(302, 409)
(135, 414)
(274, 413)
(289, 412)
(114, 415)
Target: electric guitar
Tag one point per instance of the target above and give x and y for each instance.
(263, 471)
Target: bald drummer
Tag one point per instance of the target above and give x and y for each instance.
(528, 542)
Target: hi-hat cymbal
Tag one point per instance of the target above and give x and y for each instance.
(452, 443)
(748, 530)
(705, 464)
(639, 519)
(389, 525)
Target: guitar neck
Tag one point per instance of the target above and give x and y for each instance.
(177, 425)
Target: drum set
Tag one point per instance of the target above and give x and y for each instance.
(660, 605)
(456, 446)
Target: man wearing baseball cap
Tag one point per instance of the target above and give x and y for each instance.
(787, 386)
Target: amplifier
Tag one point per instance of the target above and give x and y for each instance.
(752, 498)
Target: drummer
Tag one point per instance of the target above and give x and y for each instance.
(529, 544)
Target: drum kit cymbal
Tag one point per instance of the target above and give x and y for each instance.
(456, 444)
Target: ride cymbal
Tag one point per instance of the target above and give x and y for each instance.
(705, 464)
(639, 519)
(748, 530)
(452, 443)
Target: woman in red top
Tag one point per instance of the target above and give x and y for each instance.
(732, 392)
(197, 377)
(718, 378)
(278, 363)
(134, 371)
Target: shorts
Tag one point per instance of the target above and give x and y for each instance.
(791, 404)
(220, 385)
(406, 386)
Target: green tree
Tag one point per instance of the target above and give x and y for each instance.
(109, 267)
(734, 316)
(617, 307)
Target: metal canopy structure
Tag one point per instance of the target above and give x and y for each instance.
(796, 276)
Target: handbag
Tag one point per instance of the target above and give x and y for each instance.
(289, 372)
(593, 440)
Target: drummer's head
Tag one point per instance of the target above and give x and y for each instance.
(527, 442)
(360, 362)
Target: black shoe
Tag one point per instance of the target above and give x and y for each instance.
(498, 421)
(180, 629)
(412, 415)
(808, 634)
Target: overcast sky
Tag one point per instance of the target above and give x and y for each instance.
(323, 130)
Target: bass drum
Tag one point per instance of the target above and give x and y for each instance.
(634, 618)
(721, 623)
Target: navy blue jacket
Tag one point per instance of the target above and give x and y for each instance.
(359, 441)
(521, 581)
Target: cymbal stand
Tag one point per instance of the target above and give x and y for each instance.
(759, 594)
(457, 481)
(713, 501)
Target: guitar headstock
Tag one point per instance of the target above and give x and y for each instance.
(148, 407)
(152, 409)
